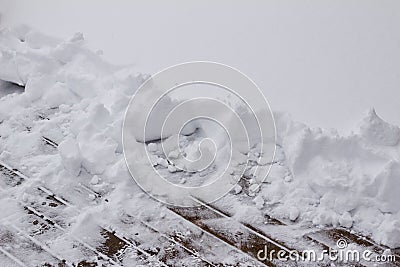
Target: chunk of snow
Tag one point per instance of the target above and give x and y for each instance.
(95, 180)
(237, 189)
(162, 162)
(259, 201)
(294, 213)
(70, 156)
(346, 220)
(97, 150)
(171, 168)
(152, 147)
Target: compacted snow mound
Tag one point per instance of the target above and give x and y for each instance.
(88, 95)
(320, 177)
(348, 181)
(377, 131)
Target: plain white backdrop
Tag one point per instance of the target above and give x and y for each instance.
(325, 62)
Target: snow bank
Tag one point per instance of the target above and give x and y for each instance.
(350, 181)
(88, 94)
(321, 177)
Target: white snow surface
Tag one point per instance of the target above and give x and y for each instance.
(319, 178)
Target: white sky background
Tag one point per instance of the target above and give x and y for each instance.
(325, 62)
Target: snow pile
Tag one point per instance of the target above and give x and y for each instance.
(331, 180)
(88, 95)
(320, 177)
